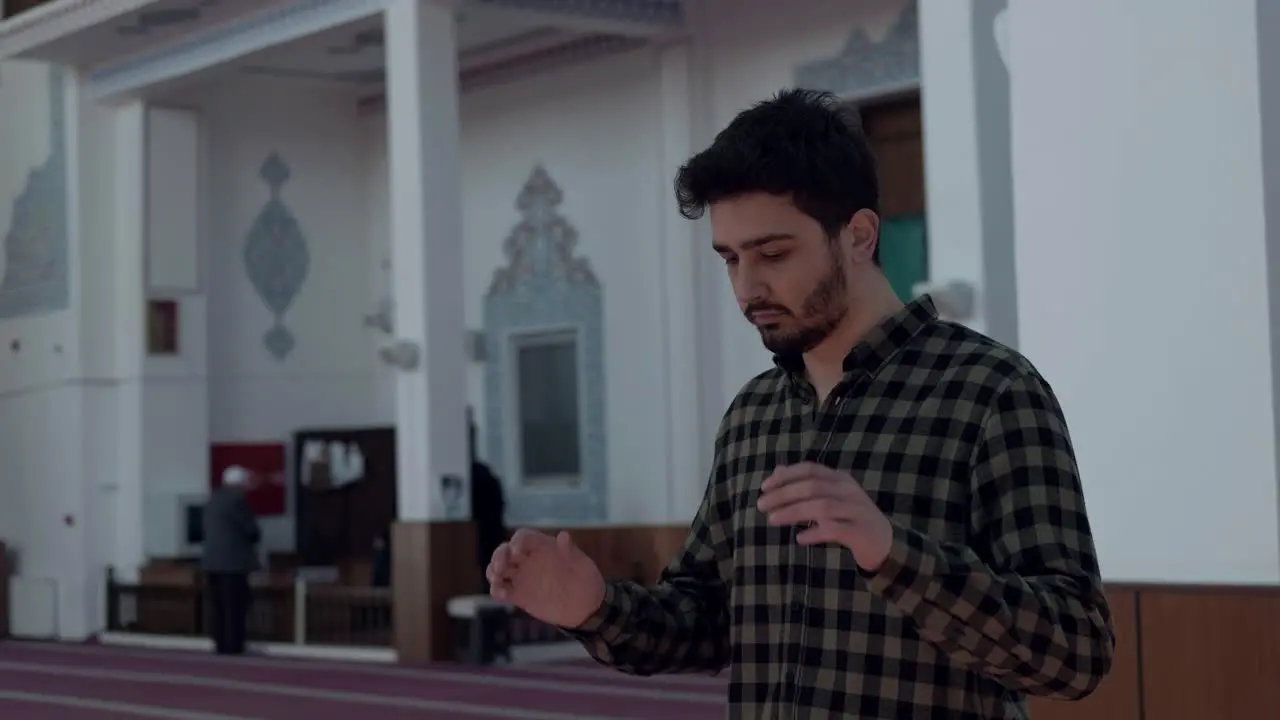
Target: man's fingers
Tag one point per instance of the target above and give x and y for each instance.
(800, 490)
(785, 474)
(819, 510)
(526, 541)
(500, 591)
(504, 562)
(825, 532)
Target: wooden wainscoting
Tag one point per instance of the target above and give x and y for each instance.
(1117, 697)
(1204, 652)
(632, 552)
(1209, 652)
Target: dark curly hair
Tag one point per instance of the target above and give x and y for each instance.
(804, 144)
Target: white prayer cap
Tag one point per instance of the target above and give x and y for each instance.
(235, 476)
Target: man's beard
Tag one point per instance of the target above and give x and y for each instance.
(819, 315)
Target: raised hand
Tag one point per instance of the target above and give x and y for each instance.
(548, 577)
(833, 507)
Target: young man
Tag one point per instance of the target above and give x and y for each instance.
(894, 526)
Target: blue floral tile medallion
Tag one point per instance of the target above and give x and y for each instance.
(276, 258)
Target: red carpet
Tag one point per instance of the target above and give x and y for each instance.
(70, 682)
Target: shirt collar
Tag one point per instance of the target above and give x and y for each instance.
(876, 347)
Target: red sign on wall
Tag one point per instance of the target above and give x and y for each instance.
(265, 462)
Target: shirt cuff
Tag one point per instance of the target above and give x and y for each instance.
(907, 575)
(601, 623)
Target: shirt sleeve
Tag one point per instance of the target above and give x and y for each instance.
(682, 623)
(1023, 602)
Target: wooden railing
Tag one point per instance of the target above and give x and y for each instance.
(298, 612)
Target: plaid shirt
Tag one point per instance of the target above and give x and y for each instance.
(990, 593)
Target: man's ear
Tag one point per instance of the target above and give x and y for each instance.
(863, 232)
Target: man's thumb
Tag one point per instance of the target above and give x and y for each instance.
(564, 543)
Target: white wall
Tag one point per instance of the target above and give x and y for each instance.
(1141, 271)
(329, 377)
(598, 129)
(44, 511)
(593, 128)
(1152, 325)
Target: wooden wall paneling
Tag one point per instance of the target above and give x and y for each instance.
(630, 552)
(1210, 653)
(431, 562)
(1118, 697)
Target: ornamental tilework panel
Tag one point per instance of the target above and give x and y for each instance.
(276, 257)
(866, 68)
(36, 253)
(545, 286)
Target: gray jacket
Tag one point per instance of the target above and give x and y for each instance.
(231, 533)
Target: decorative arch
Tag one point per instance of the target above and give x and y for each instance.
(36, 277)
(545, 288)
(866, 68)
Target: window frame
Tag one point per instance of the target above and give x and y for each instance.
(541, 337)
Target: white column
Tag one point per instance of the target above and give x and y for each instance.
(679, 272)
(128, 325)
(175, 389)
(710, 282)
(426, 253)
(1142, 274)
(965, 98)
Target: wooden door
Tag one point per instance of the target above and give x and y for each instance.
(895, 131)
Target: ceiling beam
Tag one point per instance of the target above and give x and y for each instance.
(627, 18)
(29, 33)
(224, 43)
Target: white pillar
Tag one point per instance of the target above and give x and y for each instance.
(1142, 274)
(128, 323)
(711, 283)
(965, 99)
(426, 255)
(681, 248)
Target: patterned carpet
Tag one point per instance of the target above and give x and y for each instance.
(70, 682)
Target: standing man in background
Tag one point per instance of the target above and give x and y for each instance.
(231, 536)
(488, 505)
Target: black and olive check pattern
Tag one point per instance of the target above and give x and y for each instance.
(991, 591)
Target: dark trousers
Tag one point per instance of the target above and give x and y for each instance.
(228, 611)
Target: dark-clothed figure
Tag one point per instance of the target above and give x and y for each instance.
(894, 526)
(231, 536)
(381, 570)
(488, 507)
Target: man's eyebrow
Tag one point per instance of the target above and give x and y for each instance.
(754, 242)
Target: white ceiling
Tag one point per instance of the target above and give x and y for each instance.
(353, 55)
(351, 50)
(167, 21)
(162, 22)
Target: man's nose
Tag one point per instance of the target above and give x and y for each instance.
(748, 287)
